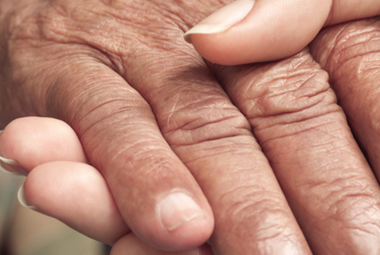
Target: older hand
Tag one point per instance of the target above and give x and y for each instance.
(288, 104)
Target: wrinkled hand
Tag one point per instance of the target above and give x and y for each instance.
(64, 60)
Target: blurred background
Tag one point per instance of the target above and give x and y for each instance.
(25, 232)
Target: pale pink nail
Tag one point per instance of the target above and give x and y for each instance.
(222, 19)
(178, 208)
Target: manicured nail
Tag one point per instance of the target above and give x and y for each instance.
(177, 209)
(222, 19)
(11, 166)
(22, 200)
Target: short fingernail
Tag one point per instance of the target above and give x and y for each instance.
(177, 209)
(22, 200)
(222, 19)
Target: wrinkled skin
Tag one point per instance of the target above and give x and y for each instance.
(149, 112)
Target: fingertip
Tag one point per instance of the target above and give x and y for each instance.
(32, 141)
(76, 194)
(271, 30)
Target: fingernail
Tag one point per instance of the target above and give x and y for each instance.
(22, 200)
(222, 19)
(177, 209)
(11, 166)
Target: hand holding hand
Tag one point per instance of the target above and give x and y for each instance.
(288, 104)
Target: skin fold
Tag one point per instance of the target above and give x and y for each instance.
(264, 149)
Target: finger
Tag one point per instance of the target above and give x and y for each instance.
(157, 196)
(212, 138)
(131, 244)
(304, 134)
(155, 193)
(214, 141)
(248, 31)
(32, 141)
(76, 194)
(201, 125)
(64, 190)
(351, 55)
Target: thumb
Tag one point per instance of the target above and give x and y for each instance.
(247, 31)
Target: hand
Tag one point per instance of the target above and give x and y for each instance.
(247, 188)
(63, 186)
(248, 31)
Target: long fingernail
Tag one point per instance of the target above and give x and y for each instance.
(22, 200)
(178, 208)
(11, 166)
(222, 19)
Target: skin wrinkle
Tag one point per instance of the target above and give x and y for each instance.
(374, 114)
(310, 114)
(291, 91)
(156, 165)
(131, 133)
(163, 49)
(116, 145)
(369, 67)
(351, 220)
(338, 199)
(221, 146)
(193, 120)
(288, 81)
(106, 46)
(299, 127)
(181, 11)
(344, 36)
(268, 233)
(258, 204)
(81, 116)
(264, 237)
(359, 56)
(227, 143)
(354, 54)
(118, 110)
(173, 110)
(236, 170)
(204, 101)
(339, 202)
(360, 70)
(252, 93)
(197, 135)
(179, 71)
(189, 127)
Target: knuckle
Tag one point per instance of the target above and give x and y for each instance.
(285, 87)
(359, 213)
(287, 98)
(353, 59)
(349, 207)
(356, 46)
(202, 117)
(356, 205)
(137, 144)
